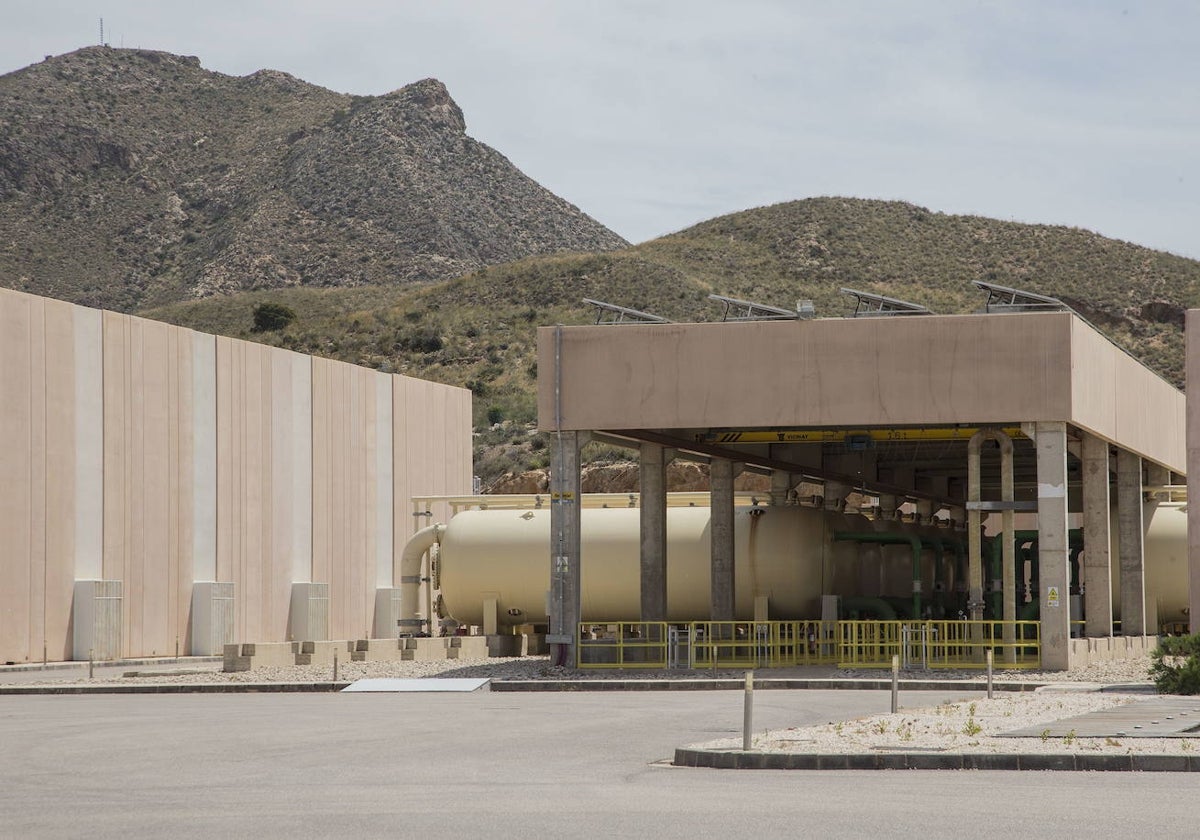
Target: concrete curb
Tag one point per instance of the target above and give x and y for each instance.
(75, 665)
(729, 684)
(740, 760)
(714, 684)
(174, 688)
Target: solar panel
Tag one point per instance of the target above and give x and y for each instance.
(610, 313)
(1005, 299)
(871, 305)
(746, 310)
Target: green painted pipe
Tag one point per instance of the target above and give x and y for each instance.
(1020, 539)
(864, 603)
(892, 539)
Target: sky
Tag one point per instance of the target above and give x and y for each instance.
(653, 116)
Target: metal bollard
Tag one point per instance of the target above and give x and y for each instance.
(895, 684)
(748, 711)
(989, 674)
(91, 661)
(335, 666)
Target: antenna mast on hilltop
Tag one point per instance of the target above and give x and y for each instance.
(102, 32)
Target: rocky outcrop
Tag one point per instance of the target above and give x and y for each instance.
(130, 178)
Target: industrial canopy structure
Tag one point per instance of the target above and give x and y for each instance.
(906, 410)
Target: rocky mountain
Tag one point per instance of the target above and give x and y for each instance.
(132, 178)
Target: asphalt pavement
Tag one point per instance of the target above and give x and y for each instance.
(504, 764)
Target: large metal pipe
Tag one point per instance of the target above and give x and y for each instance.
(410, 579)
(912, 540)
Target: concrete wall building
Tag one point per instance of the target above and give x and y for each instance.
(172, 490)
(848, 403)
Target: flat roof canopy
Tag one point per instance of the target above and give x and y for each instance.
(684, 384)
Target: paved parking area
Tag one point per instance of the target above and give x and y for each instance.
(530, 765)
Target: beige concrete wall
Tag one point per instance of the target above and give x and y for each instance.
(38, 518)
(1116, 398)
(264, 481)
(859, 372)
(147, 421)
(158, 456)
(837, 372)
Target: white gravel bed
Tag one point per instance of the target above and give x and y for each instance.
(1134, 670)
(965, 727)
(538, 667)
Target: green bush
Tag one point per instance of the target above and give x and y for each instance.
(1176, 668)
(269, 317)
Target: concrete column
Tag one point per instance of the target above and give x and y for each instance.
(721, 474)
(835, 495)
(1054, 568)
(781, 484)
(652, 473)
(1130, 544)
(1097, 571)
(565, 488)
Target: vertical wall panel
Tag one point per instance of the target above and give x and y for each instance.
(16, 473)
(89, 442)
(353, 490)
(384, 482)
(204, 456)
(60, 492)
(148, 499)
(264, 483)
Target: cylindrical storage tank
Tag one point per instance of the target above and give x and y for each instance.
(784, 553)
(1166, 555)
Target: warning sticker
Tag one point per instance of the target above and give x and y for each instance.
(1052, 596)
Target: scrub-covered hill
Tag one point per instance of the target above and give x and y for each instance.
(477, 330)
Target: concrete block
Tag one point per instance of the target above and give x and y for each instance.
(246, 657)
(321, 653)
(503, 645)
(425, 649)
(376, 650)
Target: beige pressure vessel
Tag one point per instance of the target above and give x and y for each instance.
(1166, 561)
(784, 553)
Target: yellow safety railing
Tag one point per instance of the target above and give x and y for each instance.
(622, 644)
(939, 644)
(869, 644)
(781, 644)
(760, 644)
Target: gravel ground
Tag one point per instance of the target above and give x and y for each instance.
(965, 727)
(538, 667)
